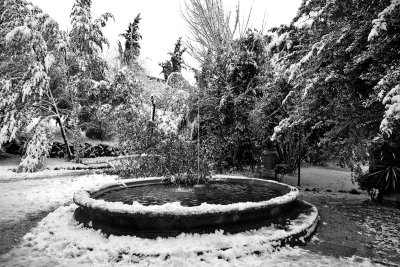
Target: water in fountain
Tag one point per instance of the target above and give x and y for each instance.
(218, 193)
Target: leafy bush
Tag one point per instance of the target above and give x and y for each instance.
(97, 133)
(281, 170)
(385, 178)
(384, 170)
(144, 165)
(291, 145)
(172, 157)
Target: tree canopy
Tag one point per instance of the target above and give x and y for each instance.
(340, 62)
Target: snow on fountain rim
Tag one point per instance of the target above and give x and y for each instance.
(83, 198)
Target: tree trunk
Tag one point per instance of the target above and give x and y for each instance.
(299, 162)
(62, 128)
(153, 114)
(298, 172)
(64, 136)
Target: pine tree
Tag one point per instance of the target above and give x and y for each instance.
(174, 64)
(85, 66)
(230, 82)
(132, 39)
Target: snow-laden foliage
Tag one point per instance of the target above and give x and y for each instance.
(25, 32)
(38, 148)
(9, 123)
(283, 125)
(44, 68)
(276, 41)
(20, 33)
(392, 103)
(86, 35)
(379, 25)
(340, 76)
(86, 67)
(389, 93)
(38, 82)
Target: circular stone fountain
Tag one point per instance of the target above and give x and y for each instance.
(136, 207)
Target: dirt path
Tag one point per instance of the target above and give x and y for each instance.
(351, 226)
(11, 234)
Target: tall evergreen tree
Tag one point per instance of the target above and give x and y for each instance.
(230, 84)
(174, 64)
(85, 66)
(132, 42)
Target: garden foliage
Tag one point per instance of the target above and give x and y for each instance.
(324, 88)
(335, 71)
(230, 84)
(153, 148)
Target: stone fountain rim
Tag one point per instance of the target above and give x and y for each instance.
(83, 199)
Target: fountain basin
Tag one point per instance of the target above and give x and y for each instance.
(173, 218)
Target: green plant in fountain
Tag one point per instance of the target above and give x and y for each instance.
(185, 165)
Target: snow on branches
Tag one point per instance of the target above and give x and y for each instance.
(379, 24)
(38, 147)
(389, 93)
(38, 82)
(20, 33)
(276, 41)
(28, 37)
(18, 95)
(316, 49)
(8, 120)
(86, 35)
(392, 104)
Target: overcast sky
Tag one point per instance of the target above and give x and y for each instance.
(162, 23)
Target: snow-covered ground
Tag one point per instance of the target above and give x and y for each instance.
(58, 240)
(10, 162)
(52, 167)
